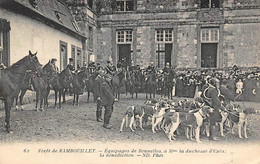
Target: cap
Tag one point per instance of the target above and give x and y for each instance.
(53, 59)
(71, 59)
(108, 62)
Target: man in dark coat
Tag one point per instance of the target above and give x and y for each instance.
(211, 98)
(103, 92)
(228, 96)
(71, 65)
(231, 85)
(179, 86)
(167, 69)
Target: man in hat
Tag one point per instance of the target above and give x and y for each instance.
(92, 67)
(71, 65)
(96, 92)
(84, 67)
(110, 68)
(53, 64)
(211, 98)
(166, 69)
(132, 67)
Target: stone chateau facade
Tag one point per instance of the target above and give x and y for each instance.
(186, 33)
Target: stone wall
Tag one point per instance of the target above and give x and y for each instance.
(241, 44)
(143, 47)
(104, 45)
(186, 51)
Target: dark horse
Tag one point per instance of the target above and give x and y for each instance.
(36, 82)
(78, 83)
(169, 82)
(150, 85)
(25, 84)
(10, 81)
(134, 83)
(117, 82)
(90, 84)
(59, 83)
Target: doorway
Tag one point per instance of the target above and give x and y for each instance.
(125, 53)
(164, 52)
(209, 55)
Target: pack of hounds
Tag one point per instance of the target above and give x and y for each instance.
(188, 116)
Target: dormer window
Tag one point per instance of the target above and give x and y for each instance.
(33, 3)
(210, 3)
(124, 5)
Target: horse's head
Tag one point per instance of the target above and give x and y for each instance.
(33, 63)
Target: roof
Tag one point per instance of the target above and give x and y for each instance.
(52, 10)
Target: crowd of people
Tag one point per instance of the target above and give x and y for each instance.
(244, 85)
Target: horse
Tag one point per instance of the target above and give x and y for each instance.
(25, 85)
(40, 85)
(150, 85)
(60, 84)
(117, 82)
(134, 83)
(10, 81)
(169, 82)
(78, 84)
(90, 84)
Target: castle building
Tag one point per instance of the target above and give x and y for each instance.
(185, 33)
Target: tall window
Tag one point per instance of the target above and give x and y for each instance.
(63, 55)
(79, 58)
(1, 46)
(124, 5)
(1, 40)
(90, 42)
(124, 36)
(210, 3)
(164, 41)
(209, 35)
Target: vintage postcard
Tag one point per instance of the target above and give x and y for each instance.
(129, 81)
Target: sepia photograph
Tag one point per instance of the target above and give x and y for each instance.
(129, 81)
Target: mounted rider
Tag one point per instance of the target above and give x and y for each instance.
(110, 71)
(91, 67)
(71, 65)
(150, 70)
(53, 65)
(166, 69)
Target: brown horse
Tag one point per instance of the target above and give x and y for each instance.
(118, 81)
(134, 83)
(60, 84)
(78, 84)
(25, 85)
(90, 84)
(10, 81)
